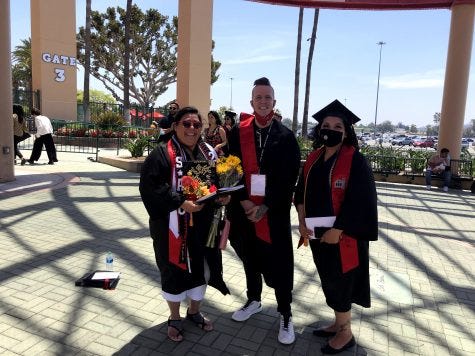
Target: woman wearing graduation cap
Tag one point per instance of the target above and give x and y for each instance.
(336, 204)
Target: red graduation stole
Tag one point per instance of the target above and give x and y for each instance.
(340, 174)
(178, 223)
(250, 166)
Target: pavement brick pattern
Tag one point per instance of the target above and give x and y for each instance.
(57, 227)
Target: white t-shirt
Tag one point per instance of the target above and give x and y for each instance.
(43, 126)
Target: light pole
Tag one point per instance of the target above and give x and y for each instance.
(380, 44)
(231, 101)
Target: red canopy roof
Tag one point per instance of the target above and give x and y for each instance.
(155, 115)
(368, 4)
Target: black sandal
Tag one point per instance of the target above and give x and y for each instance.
(199, 320)
(178, 326)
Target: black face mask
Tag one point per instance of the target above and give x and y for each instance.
(331, 138)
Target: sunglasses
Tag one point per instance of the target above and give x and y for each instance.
(194, 124)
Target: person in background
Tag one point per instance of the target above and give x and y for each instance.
(439, 164)
(229, 121)
(44, 136)
(214, 134)
(20, 131)
(165, 124)
(260, 215)
(337, 212)
(179, 227)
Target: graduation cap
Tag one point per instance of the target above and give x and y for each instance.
(229, 113)
(335, 108)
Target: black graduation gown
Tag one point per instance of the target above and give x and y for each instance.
(280, 163)
(357, 218)
(160, 199)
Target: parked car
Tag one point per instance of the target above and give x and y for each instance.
(465, 143)
(406, 141)
(396, 140)
(424, 143)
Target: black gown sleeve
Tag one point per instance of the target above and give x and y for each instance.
(155, 189)
(235, 149)
(358, 216)
(282, 170)
(299, 190)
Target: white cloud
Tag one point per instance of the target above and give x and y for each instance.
(257, 59)
(431, 79)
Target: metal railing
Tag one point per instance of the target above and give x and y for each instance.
(81, 137)
(416, 166)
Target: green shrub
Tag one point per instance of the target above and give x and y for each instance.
(137, 146)
(107, 119)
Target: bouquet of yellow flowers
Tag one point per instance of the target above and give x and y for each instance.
(229, 171)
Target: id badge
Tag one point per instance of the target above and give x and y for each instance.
(258, 185)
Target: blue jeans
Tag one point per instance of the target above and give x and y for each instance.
(446, 175)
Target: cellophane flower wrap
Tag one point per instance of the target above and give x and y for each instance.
(195, 187)
(229, 172)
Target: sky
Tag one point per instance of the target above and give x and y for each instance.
(253, 40)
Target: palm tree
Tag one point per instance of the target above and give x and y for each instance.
(297, 73)
(22, 68)
(87, 62)
(127, 61)
(21, 58)
(309, 73)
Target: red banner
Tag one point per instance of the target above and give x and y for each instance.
(370, 5)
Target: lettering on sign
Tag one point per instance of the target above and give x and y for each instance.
(61, 60)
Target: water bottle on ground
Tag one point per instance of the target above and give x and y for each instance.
(109, 261)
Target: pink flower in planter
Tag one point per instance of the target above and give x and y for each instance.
(132, 134)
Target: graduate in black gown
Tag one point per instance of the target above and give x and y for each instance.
(179, 227)
(260, 214)
(338, 184)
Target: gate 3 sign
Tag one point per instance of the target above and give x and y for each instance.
(59, 59)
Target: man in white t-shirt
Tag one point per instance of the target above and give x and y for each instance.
(439, 164)
(44, 135)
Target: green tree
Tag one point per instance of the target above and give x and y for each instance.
(153, 40)
(386, 126)
(21, 69)
(469, 130)
(96, 96)
(287, 123)
(436, 118)
(413, 128)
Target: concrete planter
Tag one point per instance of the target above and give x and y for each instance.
(127, 163)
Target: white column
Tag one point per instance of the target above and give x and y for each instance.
(194, 54)
(6, 105)
(457, 73)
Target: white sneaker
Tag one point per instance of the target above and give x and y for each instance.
(428, 187)
(251, 307)
(286, 333)
(446, 189)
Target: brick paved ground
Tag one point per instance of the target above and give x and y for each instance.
(57, 222)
